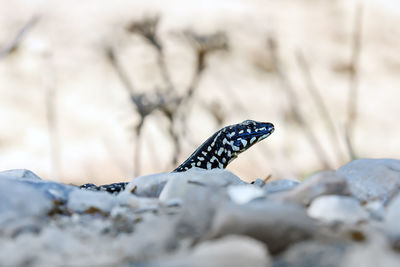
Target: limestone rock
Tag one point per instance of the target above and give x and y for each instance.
(319, 184)
(278, 225)
(20, 201)
(181, 184)
(370, 179)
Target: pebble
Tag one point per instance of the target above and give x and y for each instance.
(280, 185)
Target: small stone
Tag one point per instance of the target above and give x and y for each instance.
(371, 179)
(280, 185)
(337, 209)
(258, 182)
(241, 194)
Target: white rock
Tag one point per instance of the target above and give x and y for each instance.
(20, 173)
(333, 208)
(83, 200)
(241, 194)
(370, 179)
(181, 183)
(19, 201)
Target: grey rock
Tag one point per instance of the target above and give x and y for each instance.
(84, 200)
(228, 251)
(376, 210)
(280, 185)
(278, 225)
(312, 253)
(183, 183)
(20, 201)
(319, 184)
(334, 208)
(371, 179)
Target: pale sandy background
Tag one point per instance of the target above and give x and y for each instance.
(64, 52)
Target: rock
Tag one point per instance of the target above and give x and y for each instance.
(227, 251)
(312, 253)
(376, 252)
(149, 185)
(90, 201)
(20, 173)
(241, 194)
(198, 210)
(334, 208)
(371, 179)
(278, 225)
(183, 183)
(319, 184)
(392, 219)
(53, 190)
(20, 201)
(258, 182)
(376, 210)
(280, 185)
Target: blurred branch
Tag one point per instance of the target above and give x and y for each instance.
(319, 103)
(147, 28)
(14, 43)
(354, 79)
(304, 126)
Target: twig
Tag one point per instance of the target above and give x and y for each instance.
(14, 43)
(294, 107)
(319, 103)
(354, 79)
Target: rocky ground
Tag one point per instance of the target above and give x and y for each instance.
(348, 217)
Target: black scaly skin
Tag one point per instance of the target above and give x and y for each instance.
(217, 152)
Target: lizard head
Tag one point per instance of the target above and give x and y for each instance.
(243, 135)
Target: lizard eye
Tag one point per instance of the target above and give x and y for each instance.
(237, 143)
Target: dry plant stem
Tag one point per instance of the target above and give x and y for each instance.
(51, 114)
(13, 44)
(321, 155)
(354, 80)
(320, 104)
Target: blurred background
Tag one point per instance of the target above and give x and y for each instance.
(101, 91)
